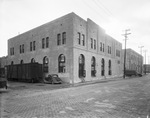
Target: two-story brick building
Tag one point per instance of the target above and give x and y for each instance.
(75, 49)
(134, 61)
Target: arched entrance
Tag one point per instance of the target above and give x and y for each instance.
(109, 67)
(93, 67)
(103, 67)
(32, 60)
(81, 66)
(45, 64)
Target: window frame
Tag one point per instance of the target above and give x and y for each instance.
(64, 38)
(47, 42)
(61, 63)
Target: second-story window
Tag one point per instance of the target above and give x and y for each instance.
(83, 39)
(101, 46)
(12, 51)
(43, 43)
(91, 43)
(47, 42)
(118, 53)
(58, 39)
(30, 46)
(22, 48)
(64, 38)
(79, 38)
(94, 44)
(33, 45)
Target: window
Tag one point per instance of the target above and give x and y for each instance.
(93, 67)
(32, 60)
(94, 44)
(118, 53)
(109, 50)
(83, 39)
(79, 38)
(22, 48)
(21, 62)
(101, 46)
(61, 64)
(30, 46)
(45, 64)
(103, 67)
(82, 72)
(43, 43)
(109, 68)
(47, 42)
(12, 51)
(12, 62)
(33, 45)
(58, 39)
(64, 38)
(91, 43)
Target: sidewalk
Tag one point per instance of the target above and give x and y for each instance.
(97, 81)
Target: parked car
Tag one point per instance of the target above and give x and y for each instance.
(3, 82)
(52, 79)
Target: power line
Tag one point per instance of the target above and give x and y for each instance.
(95, 11)
(101, 5)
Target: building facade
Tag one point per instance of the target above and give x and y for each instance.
(134, 61)
(3, 61)
(146, 68)
(75, 49)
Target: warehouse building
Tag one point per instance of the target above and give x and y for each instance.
(76, 49)
(134, 61)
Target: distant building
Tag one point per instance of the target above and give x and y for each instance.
(3, 61)
(75, 49)
(146, 68)
(134, 61)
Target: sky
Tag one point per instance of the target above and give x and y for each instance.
(114, 16)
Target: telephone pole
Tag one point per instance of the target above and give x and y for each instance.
(142, 58)
(145, 60)
(126, 37)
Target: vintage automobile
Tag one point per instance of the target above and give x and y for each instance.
(53, 79)
(3, 82)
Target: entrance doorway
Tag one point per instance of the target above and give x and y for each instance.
(81, 66)
(103, 67)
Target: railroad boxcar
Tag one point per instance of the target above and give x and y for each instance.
(29, 72)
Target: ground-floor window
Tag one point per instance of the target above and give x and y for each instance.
(93, 67)
(109, 68)
(81, 66)
(45, 64)
(32, 60)
(102, 67)
(61, 64)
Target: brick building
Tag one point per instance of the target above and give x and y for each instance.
(134, 61)
(75, 49)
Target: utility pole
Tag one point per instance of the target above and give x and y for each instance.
(142, 58)
(126, 36)
(145, 60)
